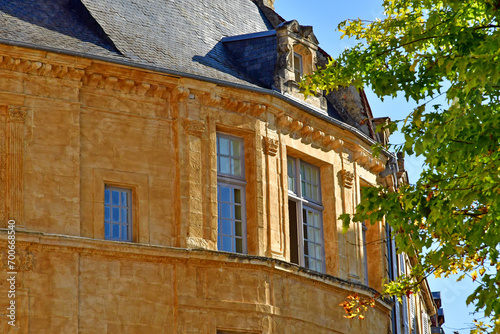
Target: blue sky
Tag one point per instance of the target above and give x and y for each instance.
(324, 16)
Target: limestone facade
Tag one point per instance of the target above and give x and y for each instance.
(77, 129)
(70, 126)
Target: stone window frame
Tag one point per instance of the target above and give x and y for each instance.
(303, 203)
(139, 187)
(236, 182)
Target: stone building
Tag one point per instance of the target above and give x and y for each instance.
(165, 175)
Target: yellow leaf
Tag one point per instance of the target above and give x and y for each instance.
(482, 271)
(474, 276)
(412, 67)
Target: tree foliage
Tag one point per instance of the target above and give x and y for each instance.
(450, 218)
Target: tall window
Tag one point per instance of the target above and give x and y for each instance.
(117, 214)
(231, 194)
(305, 215)
(298, 66)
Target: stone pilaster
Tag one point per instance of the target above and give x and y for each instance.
(350, 256)
(192, 210)
(15, 154)
(276, 233)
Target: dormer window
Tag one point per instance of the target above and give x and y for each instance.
(298, 66)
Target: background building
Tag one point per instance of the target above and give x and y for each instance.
(166, 175)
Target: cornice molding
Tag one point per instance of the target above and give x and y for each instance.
(41, 68)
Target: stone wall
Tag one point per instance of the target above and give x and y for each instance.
(72, 285)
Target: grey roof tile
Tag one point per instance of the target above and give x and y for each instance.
(171, 34)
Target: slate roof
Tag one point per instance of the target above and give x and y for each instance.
(53, 23)
(175, 35)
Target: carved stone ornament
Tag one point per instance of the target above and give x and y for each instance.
(17, 114)
(348, 178)
(194, 127)
(271, 146)
(23, 261)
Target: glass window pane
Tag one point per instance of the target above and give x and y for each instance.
(124, 232)
(319, 252)
(237, 212)
(223, 146)
(115, 215)
(116, 231)
(225, 210)
(106, 196)
(311, 247)
(310, 233)
(236, 168)
(107, 214)
(317, 222)
(306, 236)
(124, 198)
(106, 231)
(296, 62)
(115, 198)
(306, 262)
(306, 247)
(315, 179)
(225, 194)
(310, 218)
(124, 216)
(237, 196)
(224, 165)
(237, 229)
(235, 148)
(317, 235)
(239, 245)
(308, 191)
(315, 193)
(226, 244)
(291, 166)
(312, 264)
(225, 227)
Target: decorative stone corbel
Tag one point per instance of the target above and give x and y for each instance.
(271, 146)
(194, 127)
(258, 109)
(347, 178)
(210, 99)
(179, 94)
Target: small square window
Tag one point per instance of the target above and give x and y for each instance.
(230, 156)
(117, 214)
